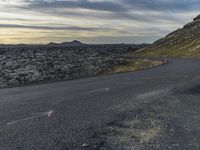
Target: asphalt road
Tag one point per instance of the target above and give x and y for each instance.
(157, 108)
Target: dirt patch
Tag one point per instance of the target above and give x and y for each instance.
(152, 125)
(137, 129)
(155, 121)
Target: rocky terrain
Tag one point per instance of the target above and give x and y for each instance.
(183, 42)
(21, 65)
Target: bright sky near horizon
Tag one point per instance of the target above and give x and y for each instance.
(92, 21)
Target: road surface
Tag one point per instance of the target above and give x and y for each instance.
(158, 108)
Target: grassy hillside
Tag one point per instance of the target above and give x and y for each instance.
(183, 42)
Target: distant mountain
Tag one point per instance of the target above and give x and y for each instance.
(122, 48)
(52, 43)
(72, 43)
(183, 42)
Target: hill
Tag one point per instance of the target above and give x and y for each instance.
(72, 43)
(183, 42)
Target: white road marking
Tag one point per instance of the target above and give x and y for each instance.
(196, 78)
(130, 83)
(48, 114)
(98, 90)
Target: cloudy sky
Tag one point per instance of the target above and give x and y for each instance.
(92, 21)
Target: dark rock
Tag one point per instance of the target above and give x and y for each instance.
(35, 64)
(197, 18)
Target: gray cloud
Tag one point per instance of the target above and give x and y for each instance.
(163, 5)
(118, 5)
(116, 9)
(115, 16)
(47, 27)
(67, 28)
(92, 5)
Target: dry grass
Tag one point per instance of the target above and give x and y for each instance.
(187, 48)
(133, 65)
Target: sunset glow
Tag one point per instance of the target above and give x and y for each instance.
(92, 21)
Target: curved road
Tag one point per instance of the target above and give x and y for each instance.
(152, 109)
